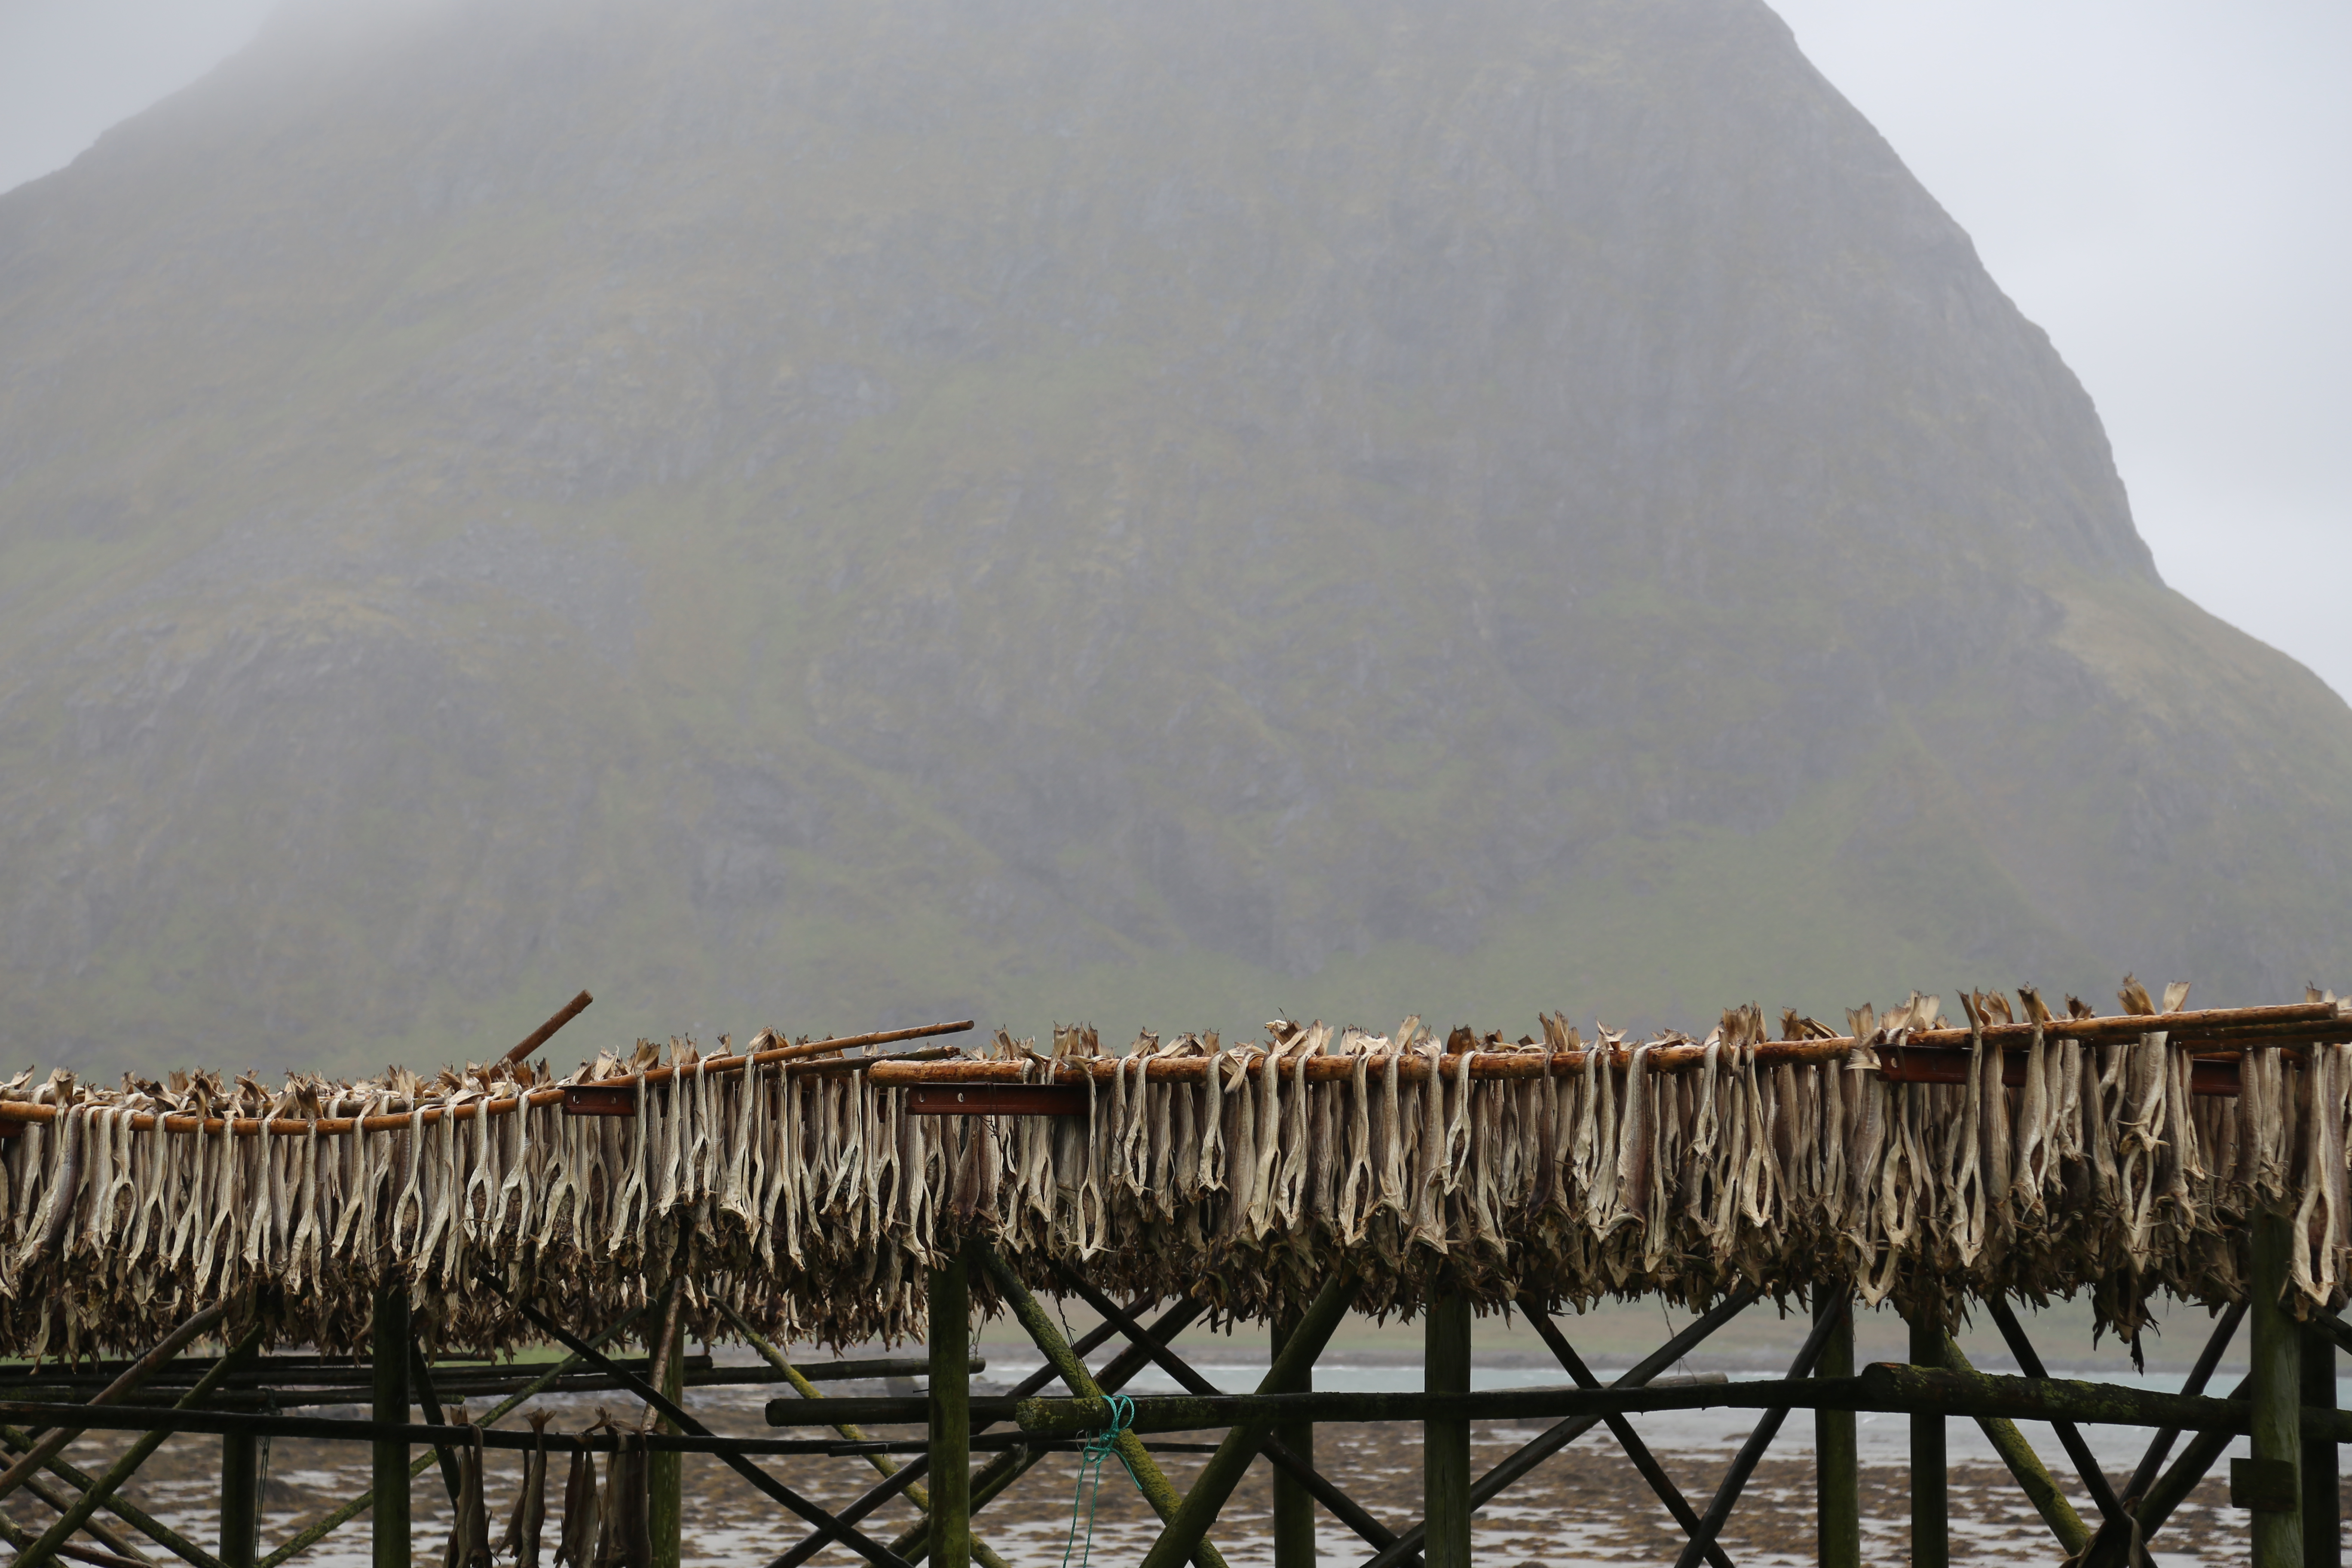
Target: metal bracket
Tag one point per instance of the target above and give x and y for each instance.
(600, 1100)
(997, 1099)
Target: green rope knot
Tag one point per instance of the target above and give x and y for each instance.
(1101, 1446)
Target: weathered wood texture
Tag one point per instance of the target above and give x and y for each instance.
(2032, 1476)
(1446, 1439)
(1886, 1386)
(1294, 1505)
(948, 1410)
(390, 1487)
(2323, 1503)
(2275, 1371)
(1837, 1454)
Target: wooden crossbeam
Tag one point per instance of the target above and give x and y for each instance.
(122, 1468)
(132, 1379)
(320, 1529)
(1528, 1455)
(1889, 1387)
(2025, 1466)
(153, 1529)
(1148, 1479)
(990, 1481)
(2111, 1544)
(850, 1536)
(1885, 1387)
(883, 1465)
(1751, 1453)
(1338, 1503)
(2070, 1436)
(1186, 1534)
(1644, 1462)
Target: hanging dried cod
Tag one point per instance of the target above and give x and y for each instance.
(2075, 1155)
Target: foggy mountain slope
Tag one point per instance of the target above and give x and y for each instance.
(831, 514)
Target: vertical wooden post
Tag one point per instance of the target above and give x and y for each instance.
(665, 1472)
(240, 1502)
(1294, 1509)
(2322, 1503)
(1931, 1519)
(951, 1402)
(1445, 1445)
(390, 1353)
(1837, 1463)
(2276, 1379)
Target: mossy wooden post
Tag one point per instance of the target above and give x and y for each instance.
(665, 1472)
(2271, 1484)
(1931, 1514)
(951, 1412)
(1837, 1463)
(390, 1350)
(2323, 1503)
(1294, 1509)
(1445, 1445)
(240, 1501)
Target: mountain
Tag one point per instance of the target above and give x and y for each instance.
(834, 514)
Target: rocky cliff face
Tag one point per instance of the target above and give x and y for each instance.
(828, 514)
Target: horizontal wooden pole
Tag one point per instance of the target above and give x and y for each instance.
(2241, 1027)
(396, 1121)
(475, 1383)
(879, 1410)
(16, 1383)
(1887, 1387)
(2289, 1024)
(137, 1418)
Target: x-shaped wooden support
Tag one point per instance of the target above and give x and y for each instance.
(1340, 1506)
(1492, 1485)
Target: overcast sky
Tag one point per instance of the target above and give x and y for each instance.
(2162, 185)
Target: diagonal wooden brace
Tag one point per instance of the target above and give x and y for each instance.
(314, 1534)
(1186, 1533)
(134, 1378)
(883, 1464)
(2111, 1545)
(136, 1455)
(429, 1404)
(113, 1539)
(1621, 1429)
(2070, 1436)
(1148, 1479)
(153, 1529)
(1340, 1506)
(990, 1481)
(2172, 1489)
(2032, 1476)
(1492, 1485)
(857, 1540)
(1751, 1453)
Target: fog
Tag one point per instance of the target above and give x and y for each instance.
(2157, 183)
